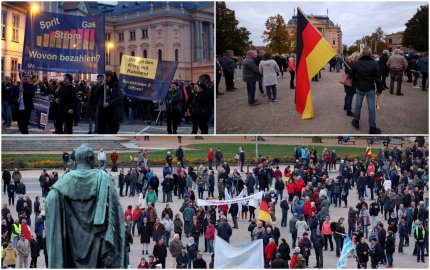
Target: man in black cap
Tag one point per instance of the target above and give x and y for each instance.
(65, 100)
(109, 111)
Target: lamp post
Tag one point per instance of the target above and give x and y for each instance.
(109, 46)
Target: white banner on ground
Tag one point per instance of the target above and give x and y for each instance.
(256, 196)
(242, 256)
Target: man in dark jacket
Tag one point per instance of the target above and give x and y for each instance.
(199, 106)
(250, 75)
(278, 263)
(382, 236)
(182, 258)
(228, 67)
(180, 155)
(383, 68)
(7, 177)
(109, 109)
(199, 262)
(365, 72)
(257, 61)
(234, 210)
(318, 246)
(65, 102)
(24, 94)
(362, 249)
(284, 207)
(173, 108)
(160, 252)
(224, 230)
(375, 253)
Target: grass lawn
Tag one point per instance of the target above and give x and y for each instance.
(197, 154)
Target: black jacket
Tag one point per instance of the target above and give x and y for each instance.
(114, 97)
(174, 101)
(361, 249)
(201, 103)
(28, 95)
(365, 73)
(67, 98)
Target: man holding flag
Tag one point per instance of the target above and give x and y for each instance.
(313, 52)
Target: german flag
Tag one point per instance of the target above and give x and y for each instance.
(368, 152)
(313, 52)
(263, 213)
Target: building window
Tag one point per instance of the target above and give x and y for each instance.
(14, 69)
(160, 55)
(176, 55)
(107, 58)
(120, 57)
(390, 41)
(132, 35)
(15, 27)
(398, 40)
(334, 42)
(107, 37)
(3, 24)
(145, 53)
(120, 37)
(132, 53)
(144, 33)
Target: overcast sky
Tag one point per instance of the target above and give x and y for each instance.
(356, 19)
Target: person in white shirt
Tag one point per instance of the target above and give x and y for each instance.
(387, 184)
(102, 158)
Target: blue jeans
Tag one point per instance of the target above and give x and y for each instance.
(167, 196)
(271, 92)
(390, 258)
(260, 83)
(348, 101)
(420, 250)
(65, 165)
(250, 86)
(6, 111)
(166, 237)
(371, 104)
(91, 120)
(396, 75)
(132, 189)
(210, 246)
(102, 163)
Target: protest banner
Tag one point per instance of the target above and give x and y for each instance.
(39, 115)
(145, 78)
(64, 43)
(256, 196)
(243, 256)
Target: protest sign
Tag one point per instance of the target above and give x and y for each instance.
(64, 43)
(145, 78)
(39, 115)
(241, 256)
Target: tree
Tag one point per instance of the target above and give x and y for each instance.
(344, 49)
(277, 36)
(353, 48)
(417, 30)
(228, 35)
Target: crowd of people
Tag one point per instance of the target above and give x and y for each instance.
(103, 105)
(392, 210)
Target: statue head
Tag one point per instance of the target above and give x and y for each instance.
(85, 156)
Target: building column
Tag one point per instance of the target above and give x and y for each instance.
(196, 40)
(200, 40)
(211, 41)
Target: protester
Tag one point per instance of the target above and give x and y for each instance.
(268, 69)
(250, 75)
(397, 64)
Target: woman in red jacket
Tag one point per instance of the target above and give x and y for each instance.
(210, 158)
(295, 259)
(135, 217)
(270, 252)
(299, 185)
(291, 188)
(307, 208)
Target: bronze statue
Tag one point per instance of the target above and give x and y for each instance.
(84, 218)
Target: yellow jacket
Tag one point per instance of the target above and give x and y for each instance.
(9, 256)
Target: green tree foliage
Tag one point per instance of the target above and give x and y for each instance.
(277, 36)
(229, 36)
(417, 30)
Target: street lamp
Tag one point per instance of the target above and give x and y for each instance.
(109, 46)
(34, 8)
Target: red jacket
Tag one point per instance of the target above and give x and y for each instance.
(128, 213)
(210, 232)
(114, 156)
(224, 208)
(291, 187)
(313, 209)
(210, 155)
(136, 214)
(307, 208)
(316, 196)
(277, 174)
(327, 157)
(299, 185)
(270, 248)
(293, 262)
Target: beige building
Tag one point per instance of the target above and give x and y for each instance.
(12, 37)
(330, 31)
(170, 31)
(394, 41)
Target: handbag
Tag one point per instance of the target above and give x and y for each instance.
(346, 79)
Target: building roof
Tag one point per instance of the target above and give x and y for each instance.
(133, 7)
(325, 18)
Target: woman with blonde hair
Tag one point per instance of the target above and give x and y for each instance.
(350, 90)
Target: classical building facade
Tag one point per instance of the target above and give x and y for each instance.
(394, 41)
(170, 31)
(330, 31)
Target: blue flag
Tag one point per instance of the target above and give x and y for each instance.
(347, 247)
(64, 43)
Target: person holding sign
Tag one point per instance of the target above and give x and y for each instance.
(173, 108)
(108, 97)
(24, 94)
(200, 104)
(65, 101)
